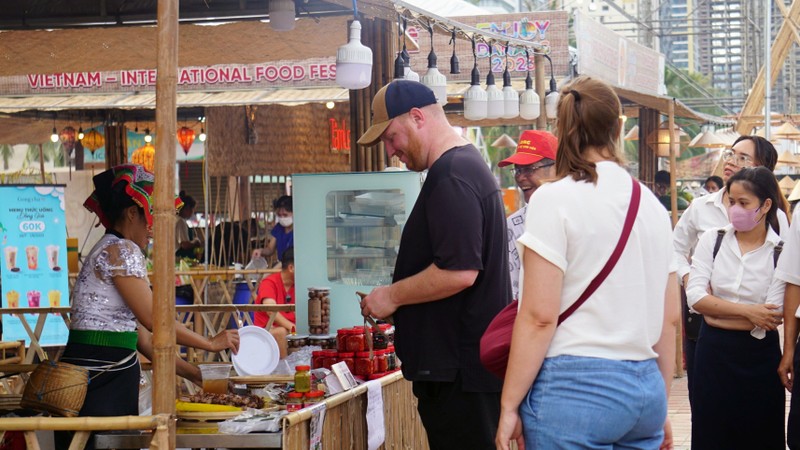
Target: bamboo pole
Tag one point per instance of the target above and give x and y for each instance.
(164, 215)
(41, 163)
(81, 423)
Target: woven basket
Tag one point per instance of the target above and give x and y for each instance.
(56, 387)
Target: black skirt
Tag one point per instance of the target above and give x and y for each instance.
(113, 392)
(738, 400)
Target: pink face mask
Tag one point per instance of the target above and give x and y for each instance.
(743, 219)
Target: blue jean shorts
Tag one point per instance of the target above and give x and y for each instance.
(594, 403)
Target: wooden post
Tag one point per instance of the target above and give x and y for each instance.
(673, 189)
(648, 159)
(164, 215)
(41, 163)
(538, 73)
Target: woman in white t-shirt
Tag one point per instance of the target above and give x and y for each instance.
(601, 377)
(738, 399)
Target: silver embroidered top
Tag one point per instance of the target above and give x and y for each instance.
(96, 303)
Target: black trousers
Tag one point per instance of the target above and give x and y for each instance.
(455, 419)
(793, 424)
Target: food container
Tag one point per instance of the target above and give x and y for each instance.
(381, 362)
(294, 401)
(356, 340)
(319, 310)
(364, 367)
(341, 339)
(382, 341)
(391, 358)
(215, 377)
(317, 358)
(312, 398)
(349, 359)
(329, 358)
(302, 379)
(295, 342)
(323, 341)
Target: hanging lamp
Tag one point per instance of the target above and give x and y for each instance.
(433, 78)
(408, 72)
(530, 107)
(354, 59)
(510, 96)
(551, 99)
(454, 69)
(281, 15)
(475, 97)
(495, 105)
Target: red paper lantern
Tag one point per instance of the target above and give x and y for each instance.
(67, 136)
(186, 139)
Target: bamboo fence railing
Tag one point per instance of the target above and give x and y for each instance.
(83, 426)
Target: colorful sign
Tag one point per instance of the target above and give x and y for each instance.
(550, 28)
(616, 60)
(34, 268)
(313, 72)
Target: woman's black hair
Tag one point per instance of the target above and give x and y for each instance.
(113, 200)
(188, 200)
(284, 202)
(716, 180)
(765, 153)
(287, 257)
(762, 183)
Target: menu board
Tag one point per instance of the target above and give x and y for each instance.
(33, 237)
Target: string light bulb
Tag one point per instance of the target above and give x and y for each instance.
(54, 136)
(495, 104)
(354, 61)
(551, 99)
(510, 96)
(147, 137)
(202, 136)
(475, 97)
(433, 78)
(80, 133)
(454, 69)
(530, 107)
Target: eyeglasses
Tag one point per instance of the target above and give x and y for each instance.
(740, 159)
(529, 170)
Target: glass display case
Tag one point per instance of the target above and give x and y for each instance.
(347, 233)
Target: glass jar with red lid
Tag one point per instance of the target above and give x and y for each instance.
(341, 339)
(364, 367)
(356, 340)
(317, 359)
(294, 401)
(349, 359)
(391, 358)
(312, 398)
(381, 362)
(328, 358)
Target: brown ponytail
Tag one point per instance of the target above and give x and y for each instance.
(588, 116)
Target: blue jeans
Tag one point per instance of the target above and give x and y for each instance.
(593, 403)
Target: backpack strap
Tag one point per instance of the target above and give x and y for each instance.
(776, 253)
(720, 235)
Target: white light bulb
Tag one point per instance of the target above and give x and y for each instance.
(354, 61)
(475, 98)
(281, 15)
(330, 105)
(530, 107)
(202, 136)
(495, 104)
(551, 104)
(54, 136)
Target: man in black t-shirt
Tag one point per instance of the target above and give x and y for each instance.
(451, 275)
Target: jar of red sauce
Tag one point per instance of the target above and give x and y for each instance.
(356, 340)
(328, 358)
(363, 365)
(317, 359)
(349, 359)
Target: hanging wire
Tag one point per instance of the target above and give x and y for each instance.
(454, 69)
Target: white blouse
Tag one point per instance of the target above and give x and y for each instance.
(96, 303)
(732, 276)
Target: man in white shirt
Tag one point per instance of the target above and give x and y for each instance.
(534, 163)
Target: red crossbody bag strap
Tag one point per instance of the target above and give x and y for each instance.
(633, 209)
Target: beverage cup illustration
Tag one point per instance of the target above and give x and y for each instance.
(11, 259)
(54, 298)
(12, 299)
(52, 257)
(34, 298)
(32, 254)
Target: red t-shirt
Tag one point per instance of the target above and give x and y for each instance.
(272, 287)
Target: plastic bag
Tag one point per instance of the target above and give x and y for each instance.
(253, 420)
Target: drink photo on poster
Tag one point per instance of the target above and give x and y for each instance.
(11, 259)
(34, 298)
(32, 254)
(52, 257)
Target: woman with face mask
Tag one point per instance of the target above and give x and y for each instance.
(738, 398)
(282, 234)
